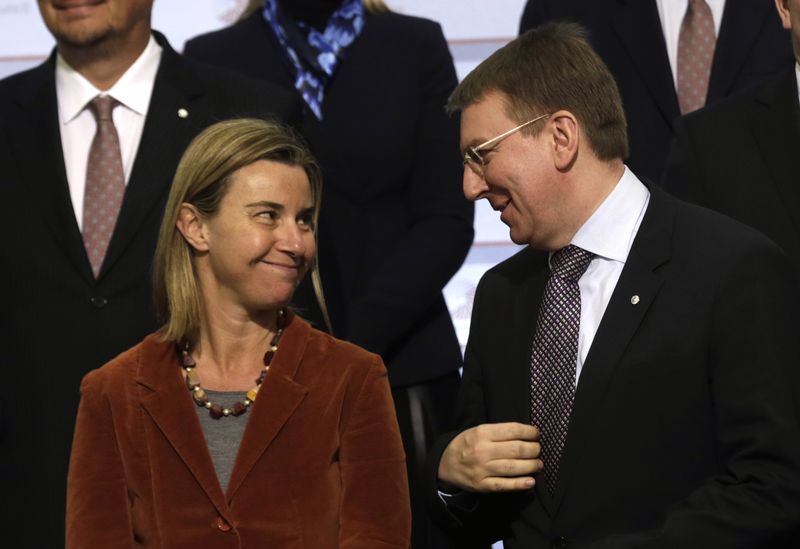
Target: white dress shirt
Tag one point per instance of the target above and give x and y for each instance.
(77, 124)
(671, 13)
(608, 234)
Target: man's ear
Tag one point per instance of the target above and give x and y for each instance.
(192, 226)
(784, 13)
(566, 139)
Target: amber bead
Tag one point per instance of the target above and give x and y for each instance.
(192, 379)
(252, 393)
(200, 397)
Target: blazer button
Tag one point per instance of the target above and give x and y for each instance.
(99, 301)
(559, 542)
(222, 525)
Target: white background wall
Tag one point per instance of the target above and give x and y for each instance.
(474, 29)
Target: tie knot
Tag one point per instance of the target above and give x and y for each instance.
(101, 107)
(570, 263)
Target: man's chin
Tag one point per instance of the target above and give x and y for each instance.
(83, 37)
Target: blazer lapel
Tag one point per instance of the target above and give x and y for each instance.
(169, 405)
(176, 87)
(741, 22)
(639, 28)
(37, 145)
(523, 322)
(776, 127)
(280, 396)
(622, 317)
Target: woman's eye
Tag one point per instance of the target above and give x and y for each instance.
(306, 220)
(268, 215)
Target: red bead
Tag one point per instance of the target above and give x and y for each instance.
(238, 409)
(188, 361)
(215, 411)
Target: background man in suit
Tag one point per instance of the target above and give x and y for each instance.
(75, 294)
(742, 156)
(648, 403)
(640, 42)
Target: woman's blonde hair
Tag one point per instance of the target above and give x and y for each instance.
(202, 180)
(373, 6)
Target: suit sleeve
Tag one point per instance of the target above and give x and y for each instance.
(98, 513)
(682, 172)
(484, 522)
(439, 233)
(375, 509)
(754, 500)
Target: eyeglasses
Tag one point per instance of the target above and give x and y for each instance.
(474, 156)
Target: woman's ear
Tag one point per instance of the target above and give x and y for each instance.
(566, 139)
(193, 227)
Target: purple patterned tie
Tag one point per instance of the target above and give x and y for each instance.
(696, 43)
(105, 183)
(554, 355)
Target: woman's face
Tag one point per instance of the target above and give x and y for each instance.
(260, 243)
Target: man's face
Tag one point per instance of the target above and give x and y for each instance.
(519, 176)
(789, 12)
(85, 23)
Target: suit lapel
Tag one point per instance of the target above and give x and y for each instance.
(279, 397)
(776, 127)
(622, 317)
(169, 405)
(741, 22)
(176, 87)
(37, 145)
(639, 28)
(523, 322)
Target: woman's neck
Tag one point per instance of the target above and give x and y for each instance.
(312, 12)
(232, 344)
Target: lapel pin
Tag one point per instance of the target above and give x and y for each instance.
(183, 113)
(634, 299)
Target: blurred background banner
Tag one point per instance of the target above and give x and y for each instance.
(474, 29)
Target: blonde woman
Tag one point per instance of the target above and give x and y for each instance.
(237, 424)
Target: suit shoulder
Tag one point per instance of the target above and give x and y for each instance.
(729, 111)
(16, 84)
(702, 229)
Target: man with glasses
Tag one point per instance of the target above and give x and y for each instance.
(629, 378)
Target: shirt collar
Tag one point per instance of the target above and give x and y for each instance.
(610, 231)
(133, 89)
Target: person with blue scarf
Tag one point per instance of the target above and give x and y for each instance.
(394, 225)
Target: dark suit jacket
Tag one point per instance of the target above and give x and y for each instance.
(395, 226)
(321, 464)
(741, 157)
(683, 431)
(58, 322)
(627, 34)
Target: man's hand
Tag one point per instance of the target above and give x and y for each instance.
(493, 457)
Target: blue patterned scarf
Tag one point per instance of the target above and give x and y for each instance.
(315, 55)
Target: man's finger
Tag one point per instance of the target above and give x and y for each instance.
(514, 449)
(498, 432)
(502, 484)
(513, 467)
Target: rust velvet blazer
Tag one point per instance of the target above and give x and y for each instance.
(321, 464)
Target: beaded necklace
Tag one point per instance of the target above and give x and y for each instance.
(199, 395)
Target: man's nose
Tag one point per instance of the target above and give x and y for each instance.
(474, 185)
